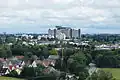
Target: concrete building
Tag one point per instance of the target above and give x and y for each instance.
(65, 33)
(60, 36)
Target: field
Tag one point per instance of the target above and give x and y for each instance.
(115, 72)
(9, 78)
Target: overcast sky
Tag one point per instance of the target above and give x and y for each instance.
(92, 16)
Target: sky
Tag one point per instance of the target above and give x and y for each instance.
(37, 16)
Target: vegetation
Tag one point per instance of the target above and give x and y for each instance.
(9, 78)
(74, 59)
(32, 72)
(101, 75)
(115, 72)
(53, 52)
(106, 58)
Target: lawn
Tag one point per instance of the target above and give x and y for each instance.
(115, 72)
(9, 78)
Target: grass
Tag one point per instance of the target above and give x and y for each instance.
(115, 72)
(9, 78)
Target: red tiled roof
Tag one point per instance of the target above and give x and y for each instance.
(10, 67)
(46, 63)
(19, 57)
(2, 59)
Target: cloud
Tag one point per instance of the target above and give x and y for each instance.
(98, 14)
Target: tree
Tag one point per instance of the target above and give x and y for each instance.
(58, 64)
(89, 59)
(107, 61)
(53, 52)
(13, 73)
(5, 51)
(83, 75)
(77, 63)
(19, 49)
(10, 39)
(101, 75)
(36, 49)
(39, 70)
(28, 72)
(45, 52)
(1, 40)
(8, 52)
(27, 55)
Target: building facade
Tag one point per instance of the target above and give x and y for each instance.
(65, 33)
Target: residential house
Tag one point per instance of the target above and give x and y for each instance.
(51, 70)
(32, 63)
(53, 57)
(19, 57)
(4, 71)
(18, 71)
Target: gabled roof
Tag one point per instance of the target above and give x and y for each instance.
(54, 57)
(19, 57)
(3, 70)
(48, 62)
(2, 59)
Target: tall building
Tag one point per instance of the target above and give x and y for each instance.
(67, 32)
(79, 33)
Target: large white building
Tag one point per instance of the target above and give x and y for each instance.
(65, 33)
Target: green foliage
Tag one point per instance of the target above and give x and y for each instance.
(79, 58)
(32, 72)
(106, 58)
(101, 75)
(5, 51)
(68, 52)
(13, 73)
(28, 72)
(53, 52)
(39, 70)
(27, 56)
(83, 75)
(77, 63)
(89, 59)
(58, 64)
(45, 52)
(115, 72)
(1, 40)
(10, 39)
(107, 61)
(9, 78)
(19, 49)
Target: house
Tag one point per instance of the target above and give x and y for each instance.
(92, 68)
(48, 62)
(53, 57)
(4, 71)
(51, 70)
(72, 77)
(18, 71)
(45, 63)
(34, 57)
(11, 64)
(2, 59)
(19, 57)
(32, 63)
(22, 63)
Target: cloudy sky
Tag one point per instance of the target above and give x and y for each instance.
(92, 16)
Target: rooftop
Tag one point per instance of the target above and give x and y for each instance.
(60, 27)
